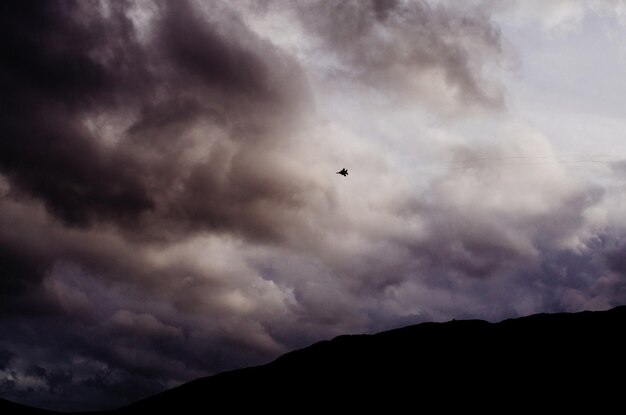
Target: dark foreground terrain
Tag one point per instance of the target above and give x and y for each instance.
(546, 361)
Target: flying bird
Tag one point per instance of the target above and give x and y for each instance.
(343, 172)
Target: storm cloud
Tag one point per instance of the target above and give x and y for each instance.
(410, 47)
(169, 206)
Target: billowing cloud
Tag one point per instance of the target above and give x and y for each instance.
(169, 206)
(409, 46)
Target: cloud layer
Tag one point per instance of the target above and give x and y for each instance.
(168, 202)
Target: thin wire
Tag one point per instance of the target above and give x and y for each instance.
(562, 159)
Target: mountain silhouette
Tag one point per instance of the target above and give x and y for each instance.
(11, 408)
(542, 362)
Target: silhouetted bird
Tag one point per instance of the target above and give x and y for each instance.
(343, 172)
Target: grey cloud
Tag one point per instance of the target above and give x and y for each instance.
(84, 287)
(620, 167)
(392, 44)
(5, 358)
(188, 77)
(50, 78)
(616, 258)
(166, 210)
(220, 63)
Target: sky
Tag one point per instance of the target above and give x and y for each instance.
(169, 207)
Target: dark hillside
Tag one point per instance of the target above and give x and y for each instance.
(557, 361)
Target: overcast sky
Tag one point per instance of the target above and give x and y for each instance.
(169, 206)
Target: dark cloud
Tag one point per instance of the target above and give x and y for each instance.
(616, 259)
(166, 209)
(57, 69)
(24, 263)
(5, 358)
(219, 63)
(170, 134)
(79, 63)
